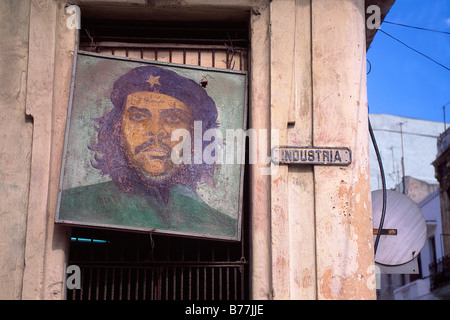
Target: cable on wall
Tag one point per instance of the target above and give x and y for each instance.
(383, 182)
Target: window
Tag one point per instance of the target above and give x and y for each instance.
(135, 266)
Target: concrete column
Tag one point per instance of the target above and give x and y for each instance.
(15, 145)
(58, 239)
(321, 227)
(39, 106)
(344, 250)
(259, 117)
(51, 48)
(292, 189)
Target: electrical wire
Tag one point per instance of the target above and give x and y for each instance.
(440, 64)
(370, 66)
(383, 182)
(419, 28)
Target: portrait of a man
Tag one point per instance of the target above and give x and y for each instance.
(133, 148)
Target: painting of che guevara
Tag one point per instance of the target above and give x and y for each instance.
(143, 145)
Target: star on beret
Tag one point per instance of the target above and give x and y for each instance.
(153, 81)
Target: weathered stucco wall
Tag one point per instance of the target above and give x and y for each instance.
(320, 216)
(311, 227)
(51, 47)
(15, 144)
(344, 250)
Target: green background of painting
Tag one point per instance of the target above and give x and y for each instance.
(95, 77)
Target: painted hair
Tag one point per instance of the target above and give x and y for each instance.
(110, 157)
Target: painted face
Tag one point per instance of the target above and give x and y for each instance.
(148, 121)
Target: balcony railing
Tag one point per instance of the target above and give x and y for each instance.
(440, 273)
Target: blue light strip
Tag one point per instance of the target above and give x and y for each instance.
(88, 240)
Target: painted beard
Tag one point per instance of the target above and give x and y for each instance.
(158, 186)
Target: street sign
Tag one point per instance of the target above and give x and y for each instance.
(312, 155)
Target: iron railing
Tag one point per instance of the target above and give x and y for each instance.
(440, 273)
(122, 266)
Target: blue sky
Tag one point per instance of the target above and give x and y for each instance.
(402, 82)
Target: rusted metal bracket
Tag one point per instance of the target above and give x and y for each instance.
(386, 232)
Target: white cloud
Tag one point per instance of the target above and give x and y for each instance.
(447, 22)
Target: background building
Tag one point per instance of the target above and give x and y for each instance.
(413, 140)
(440, 269)
(410, 150)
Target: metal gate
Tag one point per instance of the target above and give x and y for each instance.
(131, 266)
(134, 266)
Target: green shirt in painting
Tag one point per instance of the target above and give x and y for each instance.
(106, 204)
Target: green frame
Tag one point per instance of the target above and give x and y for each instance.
(90, 198)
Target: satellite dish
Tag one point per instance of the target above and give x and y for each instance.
(404, 216)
